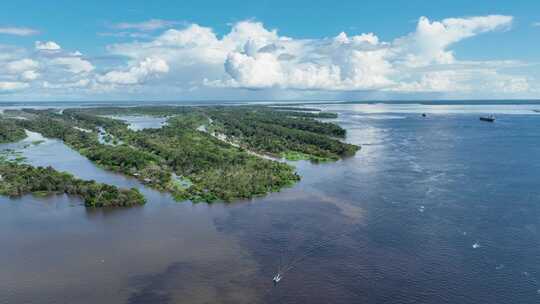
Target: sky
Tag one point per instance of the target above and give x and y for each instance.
(269, 50)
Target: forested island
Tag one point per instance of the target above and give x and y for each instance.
(203, 153)
(20, 179)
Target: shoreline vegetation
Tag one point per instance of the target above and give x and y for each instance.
(202, 153)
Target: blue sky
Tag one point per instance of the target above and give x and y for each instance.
(137, 50)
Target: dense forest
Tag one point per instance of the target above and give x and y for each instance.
(10, 131)
(203, 153)
(277, 131)
(282, 133)
(20, 179)
(216, 169)
(122, 159)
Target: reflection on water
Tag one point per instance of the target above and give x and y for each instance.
(380, 108)
(403, 216)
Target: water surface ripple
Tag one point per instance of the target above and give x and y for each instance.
(442, 209)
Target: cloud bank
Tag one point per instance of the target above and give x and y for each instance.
(194, 61)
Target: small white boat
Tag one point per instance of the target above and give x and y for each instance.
(476, 245)
(276, 278)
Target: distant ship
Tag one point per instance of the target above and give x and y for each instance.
(276, 278)
(489, 118)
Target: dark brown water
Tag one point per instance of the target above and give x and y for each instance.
(395, 224)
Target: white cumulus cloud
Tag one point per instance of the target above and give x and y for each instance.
(21, 65)
(29, 75)
(24, 70)
(359, 62)
(253, 57)
(75, 65)
(136, 74)
(47, 46)
(430, 41)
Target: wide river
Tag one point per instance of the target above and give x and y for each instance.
(437, 209)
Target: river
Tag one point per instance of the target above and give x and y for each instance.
(436, 209)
